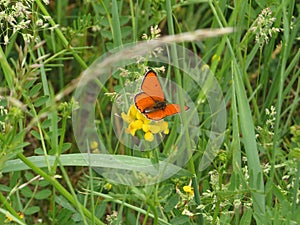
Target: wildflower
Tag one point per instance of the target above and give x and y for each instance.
(137, 121)
(111, 218)
(188, 189)
(154, 34)
(27, 37)
(94, 147)
(96, 28)
(237, 203)
(187, 213)
(124, 72)
(214, 178)
(216, 58)
(186, 198)
(10, 219)
(108, 186)
(6, 40)
(39, 22)
(21, 215)
(263, 27)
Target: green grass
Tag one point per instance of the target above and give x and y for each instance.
(254, 178)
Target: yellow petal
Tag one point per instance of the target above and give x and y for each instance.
(154, 128)
(158, 127)
(94, 144)
(149, 136)
(146, 127)
(142, 117)
(132, 131)
(188, 189)
(132, 112)
(137, 124)
(126, 118)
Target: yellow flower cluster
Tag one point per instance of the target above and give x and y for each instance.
(137, 121)
(189, 190)
(10, 219)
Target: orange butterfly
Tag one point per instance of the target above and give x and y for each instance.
(151, 101)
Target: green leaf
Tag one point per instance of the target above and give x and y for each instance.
(106, 34)
(178, 220)
(33, 91)
(32, 210)
(124, 20)
(43, 183)
(43, 194)
(26, 192)
(41, 101)
(39, 151)
(46, 123)
(66, 146)
(121, 162)
(64, 216)
(247, 215)
(126, 31)
(103, 21)
(171, 203)
(28, 84)
(64, 203)
(28, 175)
(35, 134)
(100, 209)
(4, 188)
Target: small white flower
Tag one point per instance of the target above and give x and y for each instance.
(96, 28)
(6, 40)
(145, 36)
(285, 177)
(39, 22)
(27, 37)
(187, 212)
(237, 203)
(124, 72)
(273, 111)
(263, 27)
(48, 18)
(267, 111)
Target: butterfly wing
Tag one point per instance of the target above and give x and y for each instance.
(151, 102)
(152, 95)
(143, 101)
(169, 110)
(151, 86)
(156, 115)
(172, 109)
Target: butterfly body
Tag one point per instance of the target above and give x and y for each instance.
(151, 101)
(158, 106)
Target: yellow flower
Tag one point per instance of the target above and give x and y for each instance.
(149, 136)
(137, 121)
(94, 144)
(134, 126)
(10, 219)
(188, 189)
(21, 215)
(215, 57)
(108, 186)
(156, 127)
(130, 116)
(94, 147)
